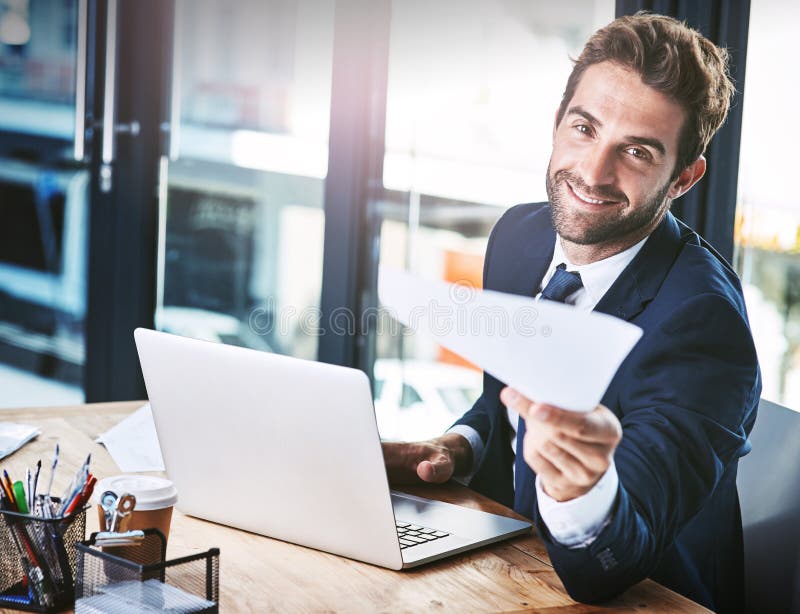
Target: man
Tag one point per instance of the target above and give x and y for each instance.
(644, 485)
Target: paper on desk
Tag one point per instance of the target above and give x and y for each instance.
(13, 436)
(142, 597)
(133, 443)
(550, 352)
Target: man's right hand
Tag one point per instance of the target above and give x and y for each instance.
(435, 460)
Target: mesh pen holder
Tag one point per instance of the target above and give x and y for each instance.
(37, 560)
(106, 582)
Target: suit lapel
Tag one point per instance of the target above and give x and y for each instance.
(640, 280)
(627, 296)
(531, 244)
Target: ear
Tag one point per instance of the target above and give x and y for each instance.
(688, 177)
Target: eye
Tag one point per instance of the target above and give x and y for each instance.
(584, 129)
(638, 152)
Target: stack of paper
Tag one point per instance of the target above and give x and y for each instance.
(13, 436)
(148, 596)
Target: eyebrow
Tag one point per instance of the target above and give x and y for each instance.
(639, 140)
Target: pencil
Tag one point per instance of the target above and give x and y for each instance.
(8, 495)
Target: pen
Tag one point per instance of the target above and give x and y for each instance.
(36, 480)
(52, 471)
(83, 496)
(16, 599)
(75, 498)
(18, 505)
(68, 492)
(81, 481)
(85, 469)
(28, 499)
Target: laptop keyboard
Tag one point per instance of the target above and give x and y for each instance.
(413, 534)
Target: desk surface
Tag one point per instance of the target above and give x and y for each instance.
(262, 574)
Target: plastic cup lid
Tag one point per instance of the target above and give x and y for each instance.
(152, 493)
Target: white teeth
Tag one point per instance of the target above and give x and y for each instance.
(591, 201)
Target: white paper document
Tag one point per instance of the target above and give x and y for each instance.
(133, 443)
(13, 436)
(142, 597)
(550, 352)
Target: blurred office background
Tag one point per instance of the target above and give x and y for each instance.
(238, 171)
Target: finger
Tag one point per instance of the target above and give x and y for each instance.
(402, 460)
(571, 468)
(594, 456)
(545, 470)
(436, 471)
(540, 465)
(548, 472)
(599, 425)
(514, 400)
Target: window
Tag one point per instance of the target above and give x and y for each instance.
(767, 254)
(243, 218)
(472, 92)
(44, 209)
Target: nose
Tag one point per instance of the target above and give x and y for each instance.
(597, 167)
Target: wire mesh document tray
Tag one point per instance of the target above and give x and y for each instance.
(124, 579)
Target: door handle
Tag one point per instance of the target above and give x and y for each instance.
(79, 150)
(108, 149)
(109, 125)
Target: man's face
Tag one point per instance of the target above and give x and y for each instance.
(610, 175)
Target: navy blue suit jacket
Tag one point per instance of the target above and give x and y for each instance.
(686, 397)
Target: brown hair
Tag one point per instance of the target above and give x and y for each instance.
(672, 58)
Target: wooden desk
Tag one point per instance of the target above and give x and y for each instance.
(262, 574)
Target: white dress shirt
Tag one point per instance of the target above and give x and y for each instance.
(575, 523)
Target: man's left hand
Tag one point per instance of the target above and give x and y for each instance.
(569, 451)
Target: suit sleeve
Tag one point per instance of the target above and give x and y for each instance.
(693, 385)
(478, 417)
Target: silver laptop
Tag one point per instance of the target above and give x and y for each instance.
(290, 449)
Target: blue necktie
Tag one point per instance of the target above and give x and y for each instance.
(562, 284)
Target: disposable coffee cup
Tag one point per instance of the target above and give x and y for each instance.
(155, 499)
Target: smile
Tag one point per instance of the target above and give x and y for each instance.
(586, 199)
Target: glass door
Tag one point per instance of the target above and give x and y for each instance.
(44, 200)
(80, 129)
(242, 177)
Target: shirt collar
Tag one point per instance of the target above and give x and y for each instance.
(597, 277)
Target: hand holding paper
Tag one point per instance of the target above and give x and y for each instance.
(569, 451)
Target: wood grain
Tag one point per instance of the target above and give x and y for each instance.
(259, 574)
